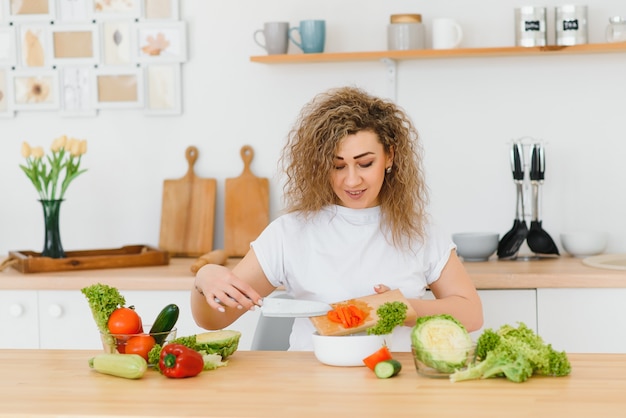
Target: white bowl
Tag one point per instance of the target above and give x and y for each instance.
(584, 243)
(476, 246)
(347, 350)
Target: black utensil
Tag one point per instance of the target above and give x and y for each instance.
(511, 242)
(538, 240)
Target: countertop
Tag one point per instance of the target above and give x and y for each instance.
(55, 383)
(561, 272)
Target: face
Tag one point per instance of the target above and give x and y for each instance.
(359, 170)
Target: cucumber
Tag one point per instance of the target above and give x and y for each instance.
(164, 322)
(387, 368)
(128, 366)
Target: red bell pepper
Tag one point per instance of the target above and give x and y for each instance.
(178, 361)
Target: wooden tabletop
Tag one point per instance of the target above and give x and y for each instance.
(55, 383)
(562, 272)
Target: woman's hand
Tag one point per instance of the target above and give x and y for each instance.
(222, 288)
(381, 288)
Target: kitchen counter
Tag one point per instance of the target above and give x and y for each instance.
(562, 272)
(54, 383)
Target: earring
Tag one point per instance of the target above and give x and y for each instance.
(388, 170)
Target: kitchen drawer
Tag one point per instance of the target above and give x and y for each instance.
(19, 319)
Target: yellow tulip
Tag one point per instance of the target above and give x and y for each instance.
(58, 143)
(25, 149)
(83, 146)
(75, 148)
(37, 153)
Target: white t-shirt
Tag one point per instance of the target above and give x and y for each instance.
(341, 253)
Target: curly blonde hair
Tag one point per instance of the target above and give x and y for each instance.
(308, 158)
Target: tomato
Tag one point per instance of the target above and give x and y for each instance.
(125, 321)
(140, 344)
(372, 360)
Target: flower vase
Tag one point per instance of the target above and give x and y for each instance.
(52, 246)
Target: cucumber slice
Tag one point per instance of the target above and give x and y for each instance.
(387, 368)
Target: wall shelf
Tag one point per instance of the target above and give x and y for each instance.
(439, 53)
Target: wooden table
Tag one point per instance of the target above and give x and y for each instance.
(55, 383)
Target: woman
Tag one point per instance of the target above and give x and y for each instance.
(355, 224)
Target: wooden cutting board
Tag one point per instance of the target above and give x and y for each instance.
(188, 212)
(246, 211)
(368, 304)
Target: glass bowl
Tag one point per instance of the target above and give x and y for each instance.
(116, 343)
(442, 363)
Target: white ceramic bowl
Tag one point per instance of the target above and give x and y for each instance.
(584, 243)
(347, 350)
(476, 246)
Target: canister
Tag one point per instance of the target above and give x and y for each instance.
(616, 30)
(570, 23)
(405, 31)
(530, 26)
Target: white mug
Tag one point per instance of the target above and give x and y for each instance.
(447, 33)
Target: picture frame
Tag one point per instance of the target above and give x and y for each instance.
(76, 91)
(161, 42)
(112, 9)
(33, 41)
(74, 44)
(6, 93)
(159, 10)
(162, 90)
(116, 41)
(73, 10)
(7, 46)
(120, 88)
(30, 10)
(35, 90)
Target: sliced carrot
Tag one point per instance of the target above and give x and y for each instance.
(372, 360)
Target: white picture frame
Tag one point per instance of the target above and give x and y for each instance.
(161, 42)
(33, 44)
(115, 9)
(6, 93)
(152, 10)
(73, 11)
(162, 89)
(8, 46)
(76, 91)
(119, 88)
(31, 10)
(35, 90)
(116, 40)
(74, 44)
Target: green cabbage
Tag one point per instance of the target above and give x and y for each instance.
(441, 342)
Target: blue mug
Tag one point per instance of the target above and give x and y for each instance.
(312, 36)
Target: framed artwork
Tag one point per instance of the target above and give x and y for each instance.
(74, 44)
(116, 41)
(76, 91)
(161, 42)
(107, 9)
(119, 88)
(35, 90)
(6, 92)
(163, 89)
(7, 46)
(73, 10)
(159, 10)
(34, 48)
(31, 10)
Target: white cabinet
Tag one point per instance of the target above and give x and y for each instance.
(62, 319)
(502, 307)
(19, 319)
(583, 320)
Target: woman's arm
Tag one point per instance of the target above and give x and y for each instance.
(239, 290)
(455, 295)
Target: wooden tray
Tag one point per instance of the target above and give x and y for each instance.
(127, 256)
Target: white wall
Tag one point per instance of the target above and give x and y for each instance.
(467, 111)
